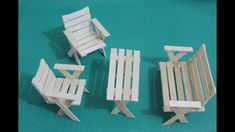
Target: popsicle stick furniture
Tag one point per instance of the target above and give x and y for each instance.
(123, 81)
(79, 32)
(61, 91)
(187, 85)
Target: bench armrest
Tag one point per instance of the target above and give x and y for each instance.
(100, 29)
(181, 49)
(185, 104)
(178, 48)
(69, 67)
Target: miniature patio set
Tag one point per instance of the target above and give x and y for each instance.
(192, 77)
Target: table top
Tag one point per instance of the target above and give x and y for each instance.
(123, 82)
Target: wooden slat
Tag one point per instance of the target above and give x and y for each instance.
(202, 77)
(88, 39)
(186, 104)
(60, 95)
(179, 84)
(165, 90)
(135, 78)
(84, 35)
(128, 71)
(79, 33)
(38, 75)
(207, 71)
(171, 81)
(73, 86)
(69, 67)
(79, 26)
(89, 44)
(76, 14)
(91, 49)
(65, 85)
(58, 84)
(80, 90)
(100, 27)
(178, 48)
(43, 78)
(120, 67)
(197, 80)
(77, 20)
(112, 70)
(50, 81)
(193, 82)
(187, 85)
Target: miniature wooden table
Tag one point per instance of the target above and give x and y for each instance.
(123, 82)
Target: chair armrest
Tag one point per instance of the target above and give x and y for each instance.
(100, 28)
(71, 39)
(178, 48)
(185, 104)
(69, 67)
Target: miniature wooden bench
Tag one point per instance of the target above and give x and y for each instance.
(61, 91)
(123, 82)
(79, 31)
(187, 85)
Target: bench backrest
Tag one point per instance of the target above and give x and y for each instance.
(78, 22)
(44, 79)
(200, 76)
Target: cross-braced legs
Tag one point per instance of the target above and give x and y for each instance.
(66, 110)
(182, 118)
(67, 103)
(121, 107)
(179, 115)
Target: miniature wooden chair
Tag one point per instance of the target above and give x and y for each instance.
(78, 30)
(187, 85)
(123, 82)
(61, 91)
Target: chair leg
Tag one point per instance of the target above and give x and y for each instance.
(177, 116)
(66, 110)
(124, 109)
(71, 52)
(77, 59)
(104, 53)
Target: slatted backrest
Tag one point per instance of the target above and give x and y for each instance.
(123, 83)
(44, 79)
(200, 75)
(78, 22)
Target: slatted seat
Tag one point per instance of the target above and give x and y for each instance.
(123, 83)
(61, 91)
(82, 38)
(187, 85)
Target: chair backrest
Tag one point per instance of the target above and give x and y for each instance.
(44, 79)
(78, 22)
(201, 77)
